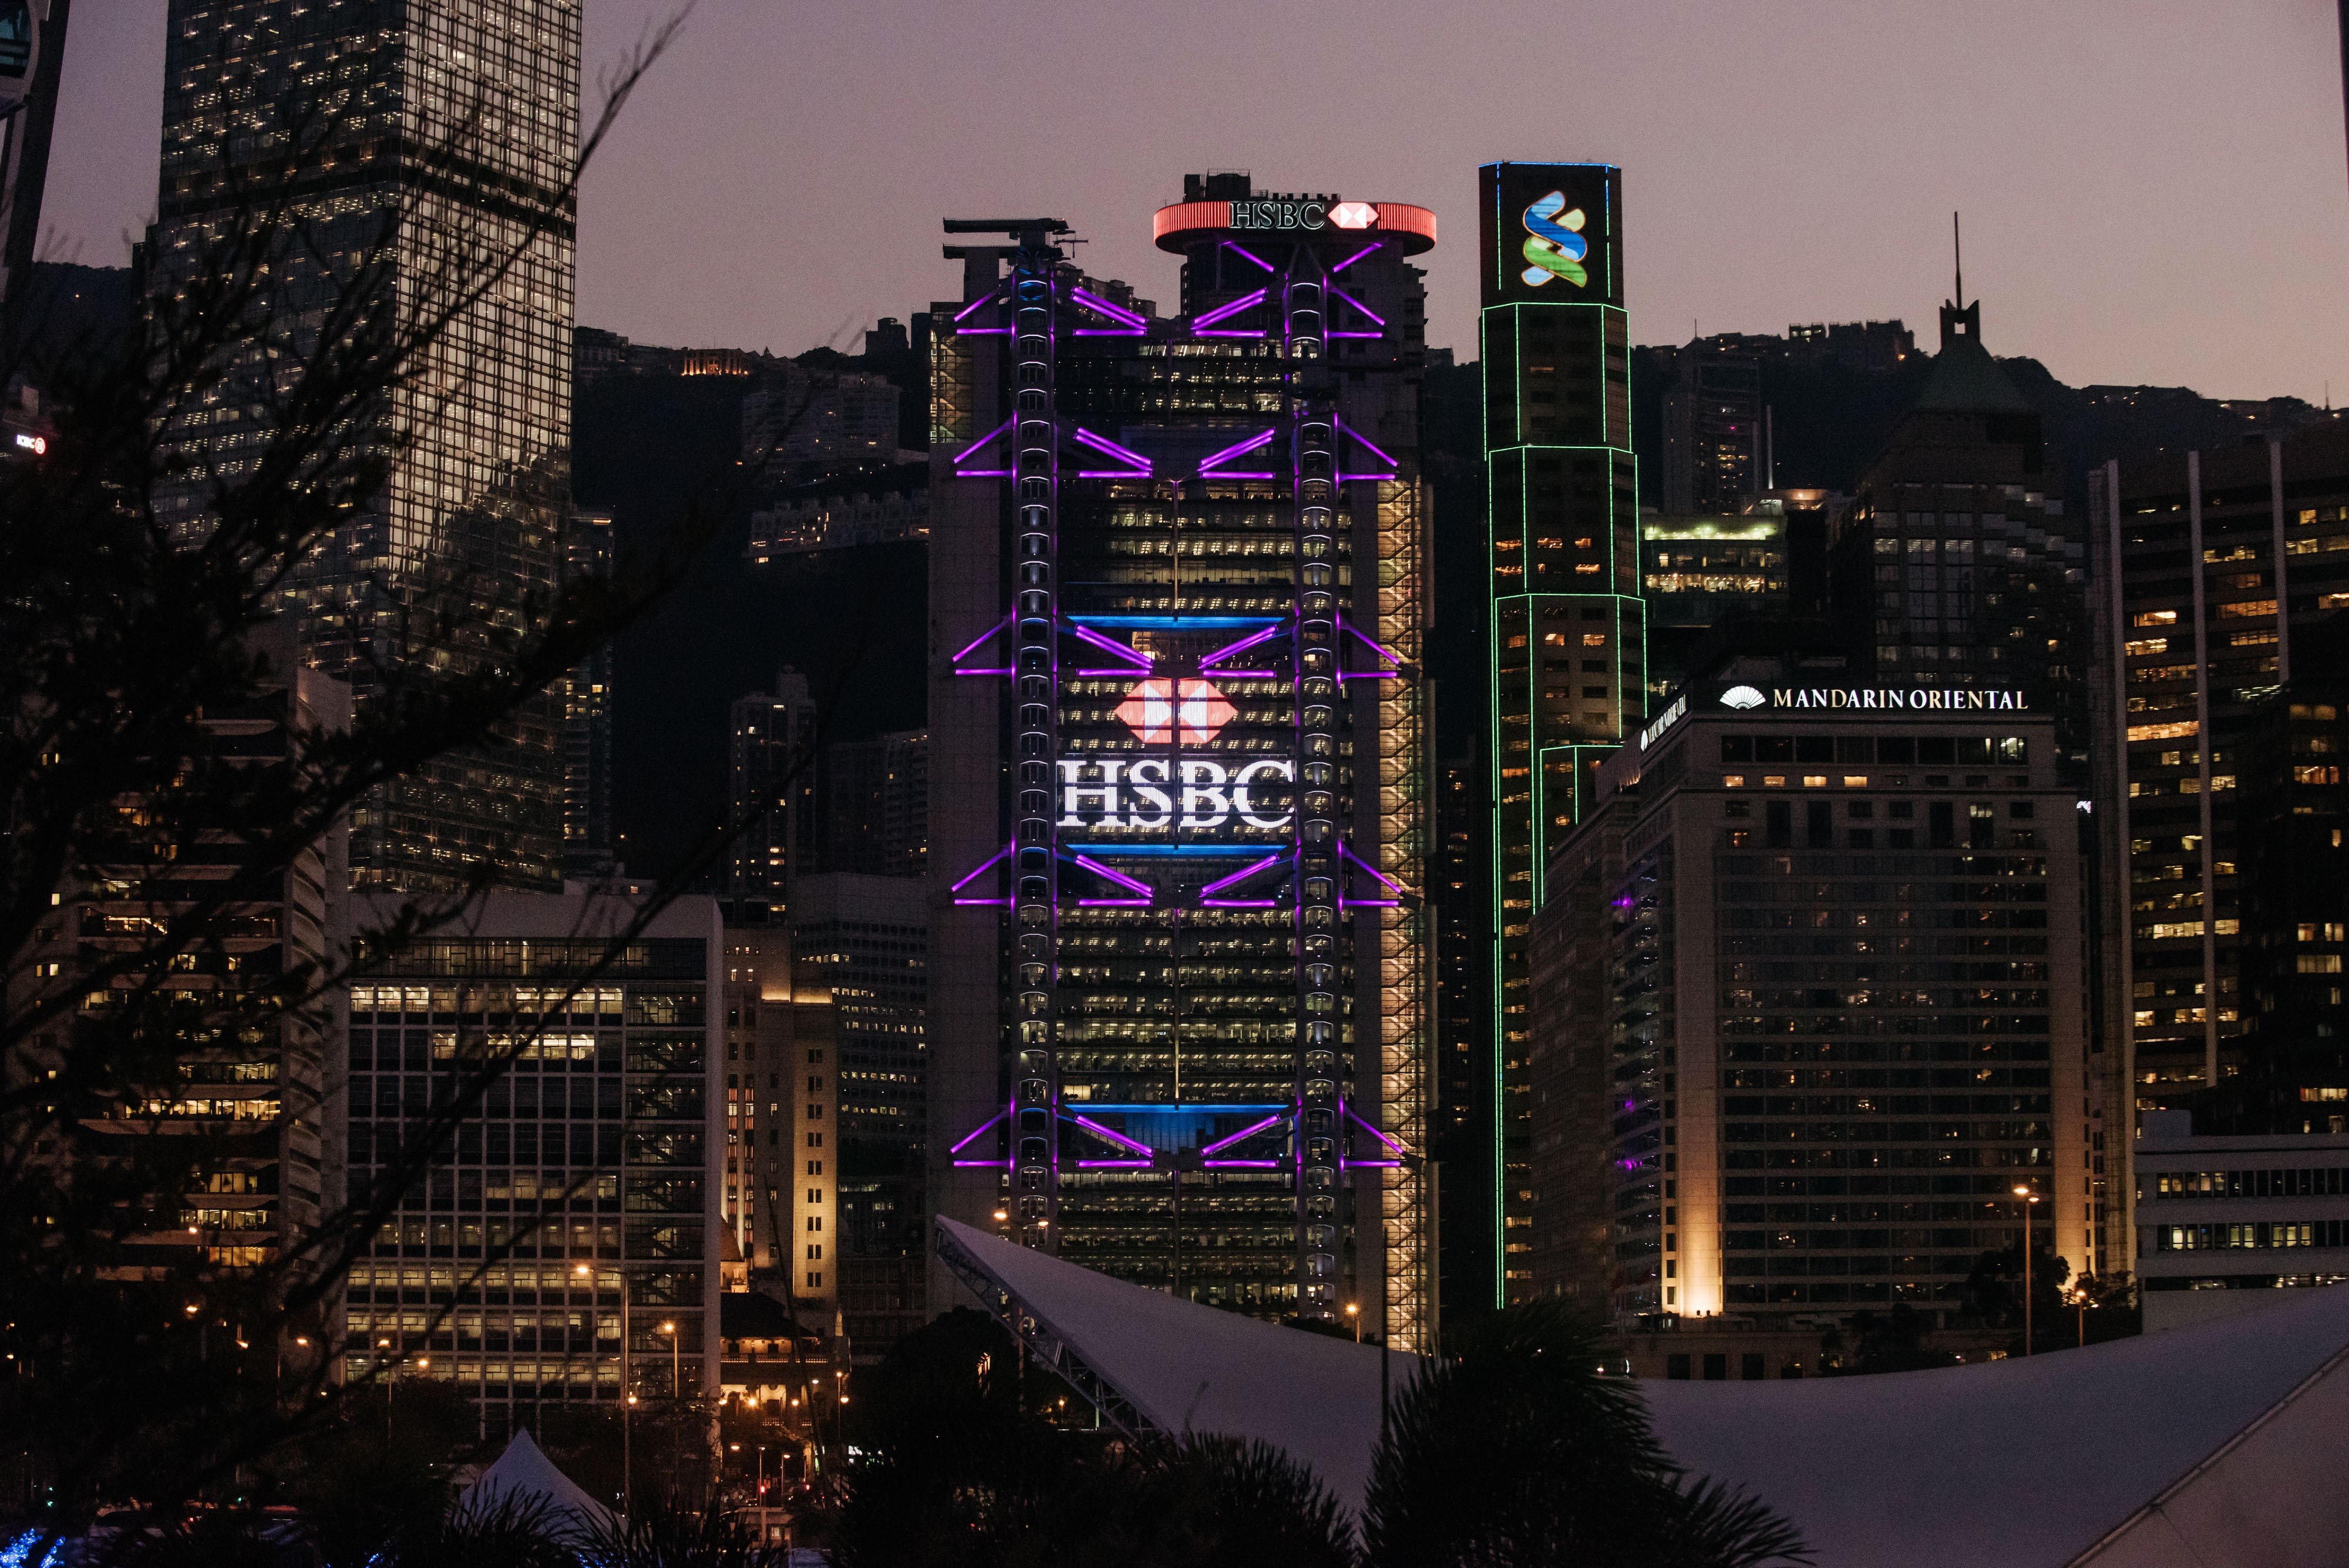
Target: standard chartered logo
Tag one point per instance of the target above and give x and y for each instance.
(1552, 243)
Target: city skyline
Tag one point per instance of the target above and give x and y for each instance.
(2159, 247)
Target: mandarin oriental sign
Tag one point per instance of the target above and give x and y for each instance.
(1876, 700)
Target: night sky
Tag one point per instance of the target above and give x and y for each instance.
(2154, 189)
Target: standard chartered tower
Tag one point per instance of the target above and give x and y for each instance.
(1568, 629)
(1180, 978)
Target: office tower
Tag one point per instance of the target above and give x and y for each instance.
(1853, 345)
(1817, 970)
(876, 804)
(32, 67)
(587, 842)
(1959, 542)
(782, 1143)
(2218, 572)
(2227, 1219)
(801, 419)
(340, 108)
(864, 942)
(1698, 574)
(1569, 636)
(772, 793)
(250, 1097)
(884, 505)
(563, 1248)
(1714, 461)
(1461, 896)
(1179, 766)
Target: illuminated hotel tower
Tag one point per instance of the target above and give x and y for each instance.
(1569, 634)
(1181, 972)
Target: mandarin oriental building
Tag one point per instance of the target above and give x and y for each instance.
(1811, 1006)
(1180, 971)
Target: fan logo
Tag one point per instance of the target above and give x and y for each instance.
(1741, 697)
(1553, 244)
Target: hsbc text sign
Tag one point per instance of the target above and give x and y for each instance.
(1175, 792)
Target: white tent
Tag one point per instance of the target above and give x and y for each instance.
(524, 1470)
(2220, 1445)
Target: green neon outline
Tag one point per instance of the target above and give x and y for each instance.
(1627, 618)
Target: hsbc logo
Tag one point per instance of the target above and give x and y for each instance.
(1165, 792)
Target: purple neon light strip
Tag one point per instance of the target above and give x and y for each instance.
(1246, 643)
(1003, 672)
(1353, 335)
(972, 1136)
(1225, 312)
(1090, 1126)
(1112, 903)
(1223, 1143)
(1384, 651)
(1374, 1132)
(1119, 878)
(1359, 306)
(1239, 903)
(1388, 457)
(1113, 473)
(1391, 884)
(983, 439)
(1093, 301)
(984, 332)
(980, 1164)
(1109, 644)
(1241, 1164)
(1240, 449)
(1113, 1165)
(1366, 250)
(982, 636)
(983, 299)
(1221, 883)
(1343, 477)
(983, 865)
(1251, 256)
(1376, 1164)
(1229, 332)
(1102, 443)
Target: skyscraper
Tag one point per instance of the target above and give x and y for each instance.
(407, 156)
(1179, 768)
(1713, 435)
(771, 764)
(587, 829)
(1569, 633)
(2218, 574)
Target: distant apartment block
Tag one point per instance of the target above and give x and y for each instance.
(887, 504)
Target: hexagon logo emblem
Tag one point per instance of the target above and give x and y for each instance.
(1188, 712)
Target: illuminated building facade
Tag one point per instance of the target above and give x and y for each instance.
(1181, 993)
(1569, 633)
(783, 1158)
(2217, 708)
(1697, 574)
(346, 105)
(585, 1190)
(1814, 1004)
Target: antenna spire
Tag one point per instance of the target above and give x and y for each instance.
(1958, 250)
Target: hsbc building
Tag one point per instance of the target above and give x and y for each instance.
(1180, 966)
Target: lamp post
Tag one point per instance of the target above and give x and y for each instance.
(1354, 1316)
(2023, 1192)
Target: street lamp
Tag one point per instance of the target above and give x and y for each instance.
(1354, 1314)
(675, 1379)
(2023, 1192)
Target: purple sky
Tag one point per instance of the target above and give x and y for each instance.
(2154, 189)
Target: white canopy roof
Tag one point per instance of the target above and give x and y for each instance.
(524, 1470)
(2225, 1443)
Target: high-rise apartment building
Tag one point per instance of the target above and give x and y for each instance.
(1811, 1003)
(586, 692)
(780, 1203)
(342, 109)
(1714, 461)
(563, 1247)
(799, 419)
(1697, 574)
(1569, 635)
(2217, 726)
(876, 804)
(1958, 540)
(1179, 770)
(863, 942)
(247, 1098)
(770, 770)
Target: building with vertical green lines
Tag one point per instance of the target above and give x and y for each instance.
(1568, 631)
